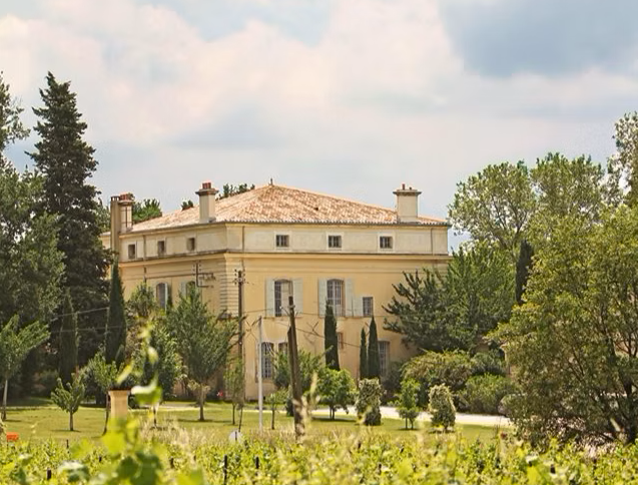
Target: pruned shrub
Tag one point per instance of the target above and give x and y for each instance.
(483, 394)
(369, 402)
(442, 407)
(407, 405)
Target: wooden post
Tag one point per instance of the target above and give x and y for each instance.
(260, 379)
(295, 374)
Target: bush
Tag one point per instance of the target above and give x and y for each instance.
(442, 407)
(369, 402)
(489, 362)
(45, 382)
(392, 382)
(407, 406)
(483, 394)
(336, 389)
(431, 368)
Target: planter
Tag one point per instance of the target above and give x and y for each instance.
(119, 403)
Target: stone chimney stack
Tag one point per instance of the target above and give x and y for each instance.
(407, 204)
(121, 218)
(207, 202)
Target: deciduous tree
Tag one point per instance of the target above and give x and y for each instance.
(408, 403)
(70, 397)
(336, 389)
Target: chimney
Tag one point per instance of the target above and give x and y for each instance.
(407, 204)
(121, 217)
(207, 202)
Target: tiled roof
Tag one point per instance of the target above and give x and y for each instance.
(280, 204)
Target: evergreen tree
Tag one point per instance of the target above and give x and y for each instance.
(331, 341)
(363, 356)
(523, 268)
(68, 341)
(116, 324)
(66, 163)
(374, 371)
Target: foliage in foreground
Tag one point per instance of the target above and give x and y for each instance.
(128, 455)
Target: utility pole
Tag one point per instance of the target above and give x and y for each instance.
(295, 376)
(260, 379)
(240, 310)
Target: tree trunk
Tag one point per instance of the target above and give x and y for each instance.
(4, 399)
(107, 410)
(272, 424)
(233, 414)
(70, 421)
(201, 403)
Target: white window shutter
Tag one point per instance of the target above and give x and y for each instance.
(270, 298)
(358, 306)
(323, 295)
(350, 304)
(182, 288)
(297, 293)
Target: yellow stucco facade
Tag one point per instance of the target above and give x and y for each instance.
(351, 265)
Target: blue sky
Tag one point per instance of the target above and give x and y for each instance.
(350, 97)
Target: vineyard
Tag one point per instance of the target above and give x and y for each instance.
(145, 457)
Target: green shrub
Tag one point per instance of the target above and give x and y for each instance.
(369, 402)
(407, 405)
(488, 362)
(483, 394)
(336, 389)
(442, 407)
(392, 381)
(431, 368)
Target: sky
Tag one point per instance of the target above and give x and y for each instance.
(346, 97)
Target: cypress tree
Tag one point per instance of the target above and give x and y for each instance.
(363, 356)
(523, 268)
(373, 352)
(331, 341)
(66, 164)
(68, 341)
(116, 324)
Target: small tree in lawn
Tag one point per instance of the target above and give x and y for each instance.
(407, 406)
(363, 356)
(374, 365)
(368, 403)
(336, 389)
(234, 384)
(203, 341)
(105, 376)
(331, 341)
(15, 345)
(69, 399)
(274, 400)
(442, 407)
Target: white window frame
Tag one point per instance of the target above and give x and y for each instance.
(158, 294)
(267, 360)
(339, 310)
(334, 234)
(363, 306)
(280, 311)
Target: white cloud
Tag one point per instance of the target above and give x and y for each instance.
(380, 99)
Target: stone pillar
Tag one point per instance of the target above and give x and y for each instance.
(119, 403)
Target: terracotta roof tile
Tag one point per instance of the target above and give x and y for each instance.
(280, 204)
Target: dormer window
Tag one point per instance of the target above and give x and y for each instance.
(282, 240)
(385, 242)
(334, 241)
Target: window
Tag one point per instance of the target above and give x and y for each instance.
(334, 242)
(161, 248)
(384, 357)
(282, 240)
(385, 242)
(335, 296)
(267, 351)
(282, 348)
(283, 290)
(340, 340)
(161, 294)
(368, 306)
(132, 251)
(190, 244)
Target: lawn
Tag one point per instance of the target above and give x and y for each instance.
(40, 420)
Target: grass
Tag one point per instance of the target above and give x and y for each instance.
(41, 420)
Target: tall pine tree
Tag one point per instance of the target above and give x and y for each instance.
(68, 341)
(66, 163)
(331, 341)
(373, 352)
(116, 325)
(363, 356)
